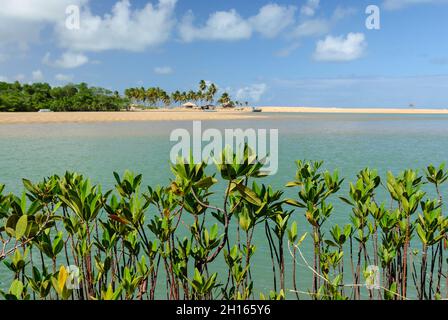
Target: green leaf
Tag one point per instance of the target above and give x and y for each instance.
(16, 288)
(293, 184)
(21, 226)
(248, 194)
(292, 233)
(206, 183)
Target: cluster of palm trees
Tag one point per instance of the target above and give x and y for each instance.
(157, 97)
(151, 97)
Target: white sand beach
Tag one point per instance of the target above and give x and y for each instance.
(189, 115)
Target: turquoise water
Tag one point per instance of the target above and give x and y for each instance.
(347, 142)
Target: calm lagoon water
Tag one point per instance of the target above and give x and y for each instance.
(344, 141)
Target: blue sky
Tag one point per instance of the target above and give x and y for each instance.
(307, 52)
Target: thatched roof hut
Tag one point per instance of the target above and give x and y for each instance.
(228, 105)
(189, 105)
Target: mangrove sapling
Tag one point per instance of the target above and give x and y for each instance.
(330, 262)
(363, 205)
(239, 290)
(85, 201)
(315, 186)
(293, 240)
(391, 242)
(437, 177)
(260, 204)
(339, 238)
(431, 227)
(405, 189)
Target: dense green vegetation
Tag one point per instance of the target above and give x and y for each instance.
(17, 97)
(80, 97)
(127, 242)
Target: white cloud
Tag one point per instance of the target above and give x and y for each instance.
(400, 4)
(37, 75)
(163, 70)
(270, 21)
(68, 60)
(3, 79)
(63, 77)
(122, 29)
(221, 25)
(310, 7)
(253, 92)
(21, 21)
(273, 19)
(312, 27)
(37, 10)
(341, 48)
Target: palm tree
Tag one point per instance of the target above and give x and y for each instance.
(210, 96)
(192, 96)
(165, 98)
(176, 97)
(183, 97)
(202, 93)
(141, 95)
(225, 100)
(202, 86)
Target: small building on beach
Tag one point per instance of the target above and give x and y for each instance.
(190, 105)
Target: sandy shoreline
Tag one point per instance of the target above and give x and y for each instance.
(182, 115)
(83, 117)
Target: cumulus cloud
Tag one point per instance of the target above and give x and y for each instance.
(253, 92)
(122, 29)
(310, 26)
(221, 25)
(68, 60)
(33, 10)
(63, 77)
(163, 70)
(400, 4)
(22, 21)
(350, 47)
(37, 75)
(310, 7)
(272, 19)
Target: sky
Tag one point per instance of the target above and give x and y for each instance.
(291, 53)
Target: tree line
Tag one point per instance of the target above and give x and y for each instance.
(17, 97)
